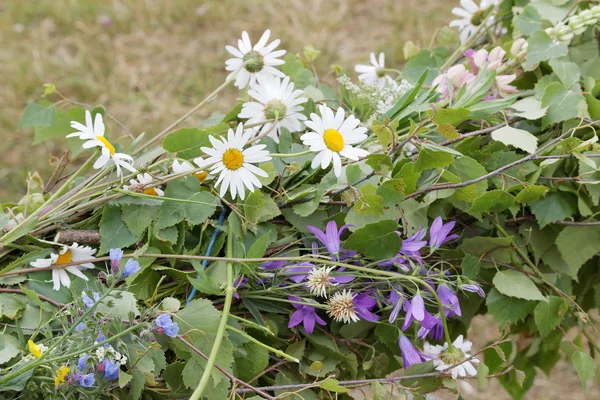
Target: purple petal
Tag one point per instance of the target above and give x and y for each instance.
(410, 355)
(297, 318)
(309, 322)
(395, 312)
(333, 239)
(320, 321)
(366, 314)
(342, 279)
(298, 299)
(417, 308)
(318, 233)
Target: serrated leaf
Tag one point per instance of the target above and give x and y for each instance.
(173, 212)
(377, 241)
(37, 115)
(507, 309)
(332, 385)
(429, 159)
(188, 141)
(9, 347)
(547, 315)
(493, 201)
(518, 138)
(448, 131)
(124, 378)
(369, 202)
(562, 103)
(586, 241)
(119, 304)
(585, 367)
(451, 116)
(529, 108)
(542, 48)
(113, 231)
(554, 207)
(138, 217)
(567, 71)
(530, 193)
(197, 319)
(516, 284)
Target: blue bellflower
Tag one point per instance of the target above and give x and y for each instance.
(305, 315)
(410, 355)
(131, 267)
(438, 233)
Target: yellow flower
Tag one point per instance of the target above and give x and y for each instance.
(60, 375)
(35, 349)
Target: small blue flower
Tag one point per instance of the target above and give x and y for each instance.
(169, 327)
(81, 326)
(87, 301)
(85, 380)
(111, 369)
(115, 256)
(82, 362)
(130, 268)
(172, 330)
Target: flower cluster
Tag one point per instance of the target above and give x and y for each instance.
(166, 325)
(472, 16)
(563, 33)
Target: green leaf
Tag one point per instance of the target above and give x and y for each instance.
(577, 244)
(37, 115)
(250, 360)
(529, 108)
(429, 159)
(493, 201)
(451, 116)
(258, 249)
(530, 193)
(188, 141)
(9, 347)
(17, 233)
(392, 192)
(369, 203)
(18, 383)
(258, 207)
(119, 304)
(518, 138)
(494, 248)
(554, 207)
(562, 103)
(196, 366)
(507, 309)
(113, 231)
(516, 284)
(567, 71)
(198, 319)
(410, 176)
(170, 304)
(470, 266)
(448, 131)
(547, 314)
(377, 241)
(124, 378)
(542, 48)
(332, 385)
(173, 212)
(138, 217)
(172, 376)
(585, 367)
(528, 21)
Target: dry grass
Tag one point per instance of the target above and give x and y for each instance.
(149, 61)
(155, 59)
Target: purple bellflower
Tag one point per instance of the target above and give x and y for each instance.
(89, 302)
(85, 380)
(168, 327)
(363, 304)
(431, 326)
(81, 363)
(438, 233)
(474, 288)
(411, 248)
(131, 267)
(331, 239)
(415, 310)
(111, 369)
(238, 283)
(306, 315)
(396, 299)
(410, 355)
(449, 300)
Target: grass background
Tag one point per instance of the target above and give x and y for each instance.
(148, 61)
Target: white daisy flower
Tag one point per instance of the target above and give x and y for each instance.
(471, 16)
(332, 137)
(444, 359)
(139, 185)
(252, 62)
(183, 167)
(93, 133)
(228, 157)
(67, 255)
(275, 99)
(374, 73)
(341, 307)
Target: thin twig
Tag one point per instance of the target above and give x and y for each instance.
(41, 296)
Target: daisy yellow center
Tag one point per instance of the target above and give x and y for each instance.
(451, 357)
(233, 159)
(64, 258)
(333, 140)
(107, 144)
(380, 72)
(201, 176)
(151, 191)
(275, 109)
(253, 61)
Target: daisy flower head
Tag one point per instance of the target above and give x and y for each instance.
(332, 136)
(250, 62)
(234, 163)
(319, 279)
(183, 167)
(471, 16)
(374, 73)
(444, 358)
(93, 134)
(276, 100)
(66, 255)
(140, 185)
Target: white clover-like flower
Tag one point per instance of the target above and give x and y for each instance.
(234, 163)
(139, 184)
(332, 136)
(471, 16)
(93, 134)
(341, 307)
(275, 99)
(66, 255)
(252, 62)
(183, 167)
(319, 279)
(444, 359)
(100, 353)
(374, 73)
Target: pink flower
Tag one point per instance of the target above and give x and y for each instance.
(502, 87)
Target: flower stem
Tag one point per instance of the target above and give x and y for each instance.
(280, 155)
(258, 342)
(221, 331)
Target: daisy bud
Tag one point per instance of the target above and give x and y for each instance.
(519, 48)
